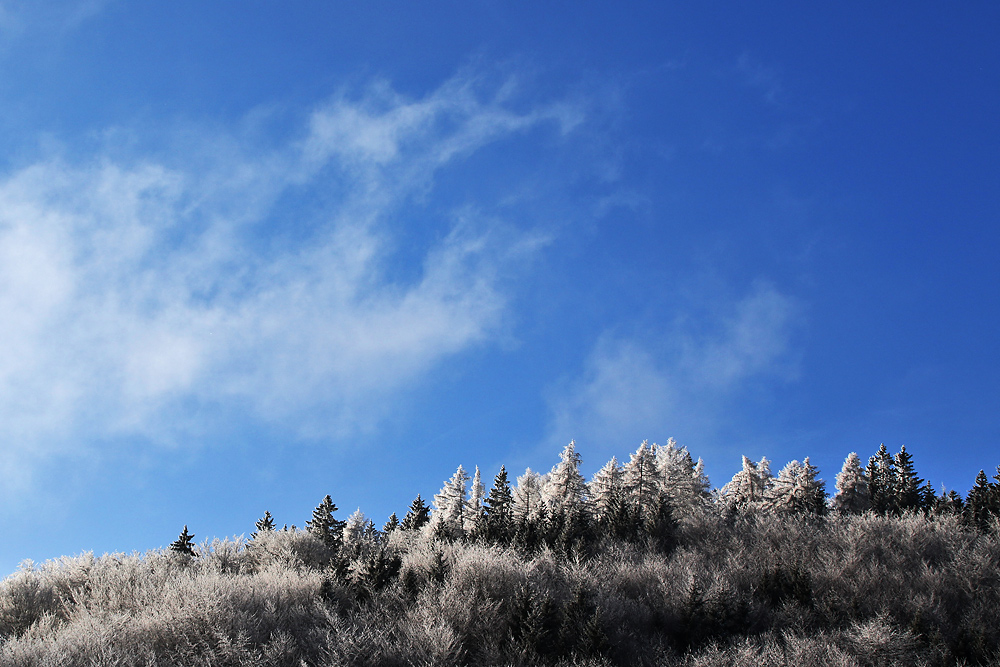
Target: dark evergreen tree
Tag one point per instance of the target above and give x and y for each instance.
(390, 525)
(928, 497)
(264, 524)
(324, 526)
(497, 523)
(184, 544)
(981, 505)
(906, 485)
(659, 524)
(949, 503)
(881, 474)
(418, 514)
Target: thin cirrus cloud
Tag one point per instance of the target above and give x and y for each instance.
(129, 289)
(633, 388)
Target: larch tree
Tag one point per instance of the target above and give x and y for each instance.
(528, 497)
(565, 489)
(606, 491)
(329, 530)
(681, 478)
(781, 496)
(852, 495)
(474, 506)
(748, 487)
(448, 512)
(640, 481)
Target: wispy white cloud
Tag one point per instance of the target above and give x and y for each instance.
(633, 388)
(129, 288)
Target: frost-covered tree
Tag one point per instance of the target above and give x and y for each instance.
(640, 481)
(528, 496)
(852, 495)
(184, 544)
(797, 489)
(417, 516)
(748, 487)
(906, 485)
(391, 525)
(355, 528)
(881, 472)
(329, 530)
(474, 506)
(606, 491)
(448, 512)
(682, 479)
(565, 490)
(530, 516)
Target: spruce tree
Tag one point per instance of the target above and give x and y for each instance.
(981, 503)
(390, 525)
(852, 495)
(881, 473)
(906, 486)
(355, 528)
(184, 544)
(264, 525)
(329, 530)
(498, 509)
(417, 515)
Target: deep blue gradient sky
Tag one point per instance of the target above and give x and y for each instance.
(252, 253)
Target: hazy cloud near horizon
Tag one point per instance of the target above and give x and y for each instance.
(130, 287)
(638, 387)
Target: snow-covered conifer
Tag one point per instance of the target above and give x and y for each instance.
(781, 496)
(681, 478)
(354, 529)
(391, 525)
(528, 496)
(474, 506)
(852, 495)
(448, 515)
(605, 490)
(565, 489)
(640, 481)
(748, 487)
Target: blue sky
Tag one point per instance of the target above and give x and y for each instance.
(252, 253)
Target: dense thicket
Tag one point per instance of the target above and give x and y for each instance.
(640, 566)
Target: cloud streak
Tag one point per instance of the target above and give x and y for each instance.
(130, 288)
